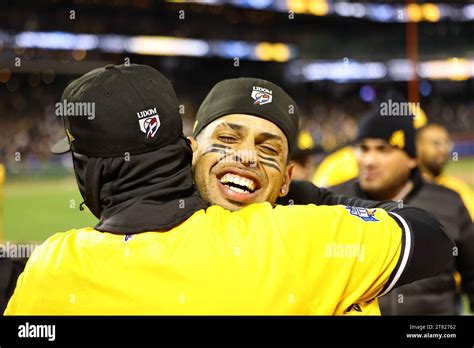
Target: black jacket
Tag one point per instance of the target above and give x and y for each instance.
(435, 295)
(10, 269)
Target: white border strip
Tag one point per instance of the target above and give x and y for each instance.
(405, 256)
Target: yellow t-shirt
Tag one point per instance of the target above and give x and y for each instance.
(259, 260)
(338, 167)
(460, 187)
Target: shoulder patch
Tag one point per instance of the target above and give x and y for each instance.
(368, 215)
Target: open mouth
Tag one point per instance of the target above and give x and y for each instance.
(238, 183)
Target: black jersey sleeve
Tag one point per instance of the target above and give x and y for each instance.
(305, 192)
(427, 249)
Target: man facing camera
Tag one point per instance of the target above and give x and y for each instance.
(237, 128)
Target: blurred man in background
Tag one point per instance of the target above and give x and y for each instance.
(304, 156)
(341, 165)
(433, 147)
(386, 155)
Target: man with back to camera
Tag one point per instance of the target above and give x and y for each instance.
(386, 155)
(133, 169)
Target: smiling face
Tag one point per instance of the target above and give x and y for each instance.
(241, 159)
(383, 169)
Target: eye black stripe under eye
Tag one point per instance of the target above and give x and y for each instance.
(220, 146)
(273, 165)
(216, 147)
(223, 152)
(268, 158)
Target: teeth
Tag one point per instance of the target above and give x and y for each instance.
(239, 180)
(236, 189)
(243, 182)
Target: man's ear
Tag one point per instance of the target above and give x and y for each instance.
(194, 146)
(193, 143)
(412, 163)
(285, 187)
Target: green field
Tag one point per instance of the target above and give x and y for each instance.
(34, 209)
(463, 169)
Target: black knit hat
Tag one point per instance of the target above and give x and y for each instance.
(250, 96)
(398, 131)
(118, 109)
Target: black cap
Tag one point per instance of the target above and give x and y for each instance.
(118, 109)
(398, 130)
(250, 96)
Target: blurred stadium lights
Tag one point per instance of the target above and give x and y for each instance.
(150, 45)
(269, 51)
(425, 88)
(469, 11)
(380, 12)
(56, 40)
(455, 69)
(233, 49)
(367, 93)
(318, 8)
(258, 4)
(167, 46)
(400, 69)
(347, 9)
(113, 43)
(342, 71)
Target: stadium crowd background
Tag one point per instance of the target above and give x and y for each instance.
(30, 125)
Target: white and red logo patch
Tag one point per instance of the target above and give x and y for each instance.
(149, 121)
(261, 95)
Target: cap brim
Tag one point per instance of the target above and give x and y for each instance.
(62, 146)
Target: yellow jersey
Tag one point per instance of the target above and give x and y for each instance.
(287, 260)
(338, 167)
(460, 187)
